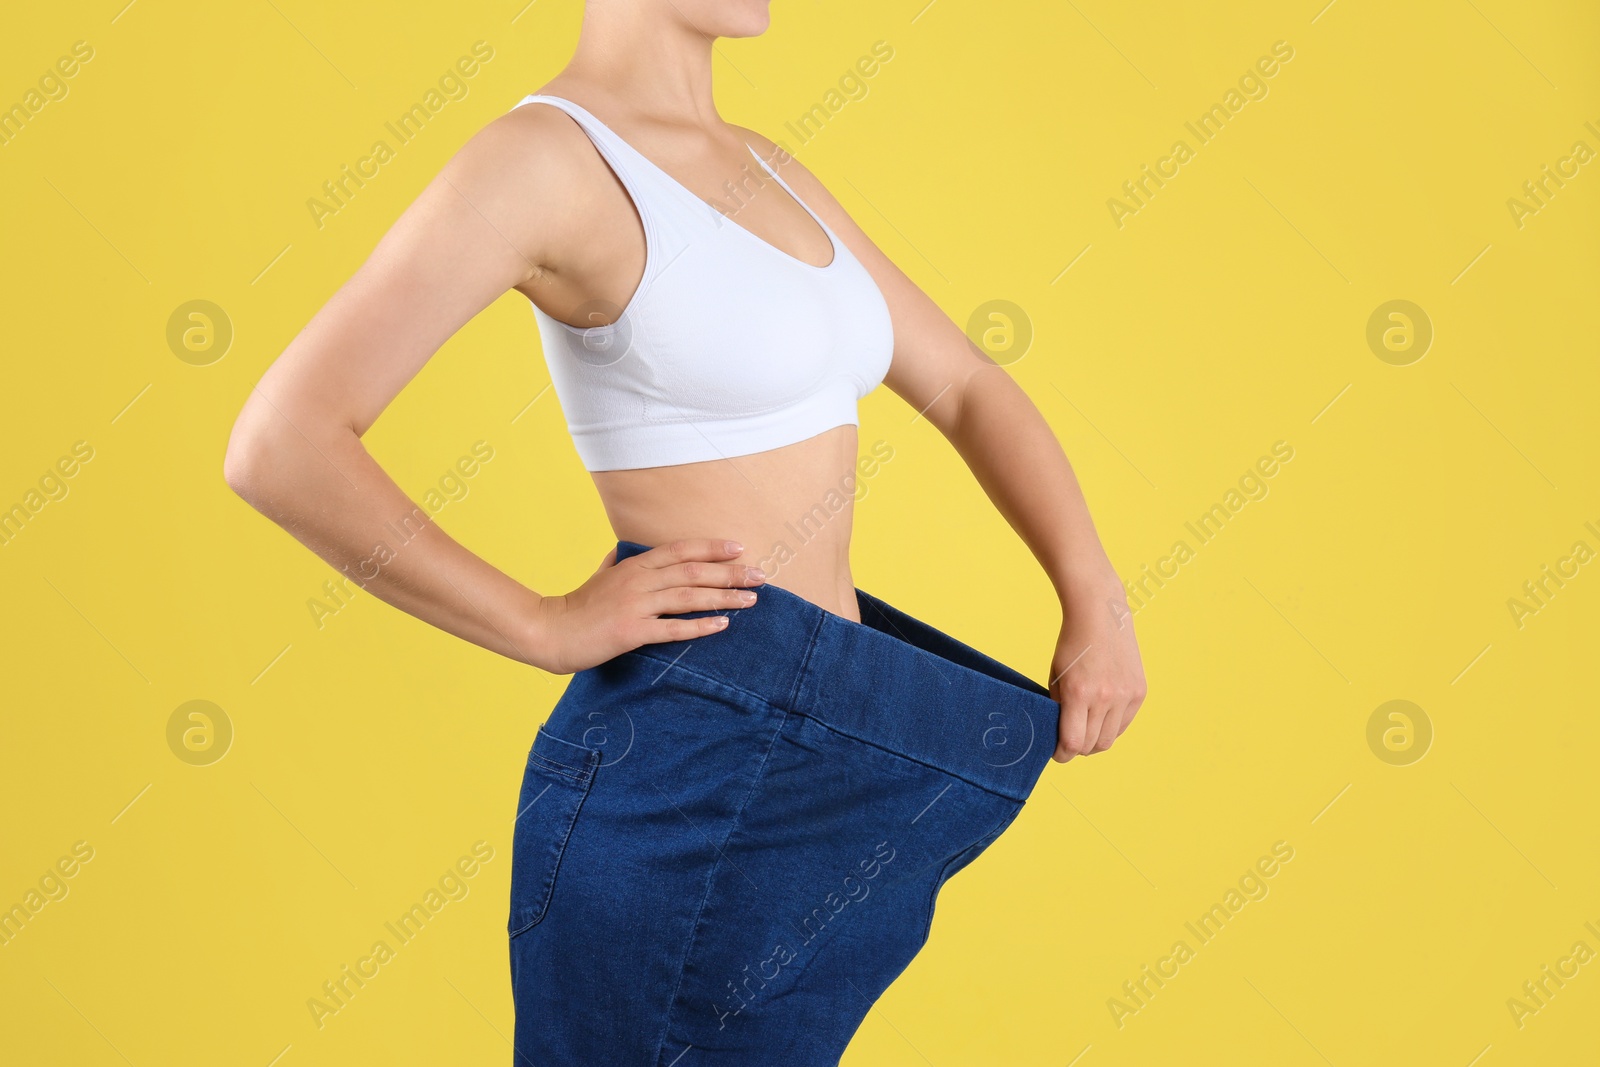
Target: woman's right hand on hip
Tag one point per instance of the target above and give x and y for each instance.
(620, 607)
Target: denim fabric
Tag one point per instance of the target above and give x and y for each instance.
(726, 848)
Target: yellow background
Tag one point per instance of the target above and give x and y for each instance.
(1228, 314)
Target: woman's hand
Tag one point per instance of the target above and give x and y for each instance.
(619, 607)
(1096, 675)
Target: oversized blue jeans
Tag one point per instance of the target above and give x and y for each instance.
(726, 848)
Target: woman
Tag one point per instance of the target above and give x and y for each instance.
(733, 826)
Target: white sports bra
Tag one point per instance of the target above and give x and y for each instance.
(728, 346)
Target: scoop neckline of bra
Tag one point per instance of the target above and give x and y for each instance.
(721, 219)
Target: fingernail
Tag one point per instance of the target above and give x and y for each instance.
(722, 620)
(756, 574)
(733, 546)
(747, 596)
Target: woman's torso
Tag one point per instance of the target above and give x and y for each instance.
(791, 506)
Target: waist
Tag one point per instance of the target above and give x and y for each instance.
(890, 679)
(792, 508)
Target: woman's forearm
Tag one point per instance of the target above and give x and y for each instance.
(321, 485)
(1017, 460)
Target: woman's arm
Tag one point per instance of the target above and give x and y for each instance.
(507, 207)
(1096, 673)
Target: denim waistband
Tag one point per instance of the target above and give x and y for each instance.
(890, 680)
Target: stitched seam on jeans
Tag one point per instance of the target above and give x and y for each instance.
(711, 881)
(986, 840)
(584, 750)
(551, 765)
(795, 708)
(793, 700)
(912, 759)
(675, 665)
(548, 888)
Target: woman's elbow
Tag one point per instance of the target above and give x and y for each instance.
(253, 450)
(241, 462)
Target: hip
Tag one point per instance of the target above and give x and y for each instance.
(737, 841)
(886, 679)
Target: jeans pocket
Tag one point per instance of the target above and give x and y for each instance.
(557, 779)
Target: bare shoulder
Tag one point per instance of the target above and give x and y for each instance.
(531, 171)
(533, 140)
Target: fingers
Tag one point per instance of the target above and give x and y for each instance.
(696, 562)
(681, 599)
(1089, 719)
(1127, 718)
(660, 631)
(1134, 704)
(712, 575)
(1074, 725)
(689, 549)
(1110, 728)
(676, 600)
(1100, 724)
(1092, 719)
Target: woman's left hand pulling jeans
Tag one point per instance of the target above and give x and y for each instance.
(1096, 675)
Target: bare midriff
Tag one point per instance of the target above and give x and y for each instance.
(790, 507)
